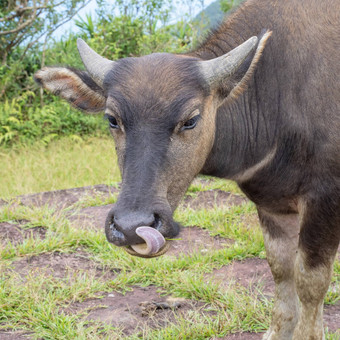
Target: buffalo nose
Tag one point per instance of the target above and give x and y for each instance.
(128, 223)
(121, 227)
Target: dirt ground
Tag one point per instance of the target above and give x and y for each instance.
(14, 335)
(142, 306)
(61, 265)
(14, 233)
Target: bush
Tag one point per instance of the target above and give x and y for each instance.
(22, 125)
(142, 27)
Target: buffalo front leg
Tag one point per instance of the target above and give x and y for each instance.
(318, 243)
(280, 232)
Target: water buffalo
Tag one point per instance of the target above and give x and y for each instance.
(258, 103)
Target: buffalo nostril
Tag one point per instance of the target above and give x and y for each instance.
(157, 223)
(112, 233)
(115, 234)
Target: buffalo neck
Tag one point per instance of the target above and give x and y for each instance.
(246, 133)
(246, 127)
(250, 127)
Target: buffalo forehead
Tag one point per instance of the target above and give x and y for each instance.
(158, 80)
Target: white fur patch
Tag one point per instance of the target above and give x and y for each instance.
(250, 172)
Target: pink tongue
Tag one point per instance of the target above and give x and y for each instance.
(153, 238)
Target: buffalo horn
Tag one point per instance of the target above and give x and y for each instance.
(96, 65)
(218, 69)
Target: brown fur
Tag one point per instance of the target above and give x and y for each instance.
(68, 85)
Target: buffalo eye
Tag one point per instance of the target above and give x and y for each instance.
(112, 121)
(190, 123)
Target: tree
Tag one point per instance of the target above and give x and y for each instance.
(226, 5)
(25, 22)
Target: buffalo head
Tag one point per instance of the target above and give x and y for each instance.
(161, 111)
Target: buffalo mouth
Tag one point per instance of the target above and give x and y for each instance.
(155, 243)
(142, 240)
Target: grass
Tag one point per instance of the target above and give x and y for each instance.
(209, 183)
(64, 163)
(38, 303)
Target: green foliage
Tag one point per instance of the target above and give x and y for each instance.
(87, 25)
(22, 123)
(24, 25)
(119, 37)
(226, 5)
(63, 52)
(136, 28)
(141, 28)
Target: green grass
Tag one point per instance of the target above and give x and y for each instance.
(65, 163)
(38, 303)
(210, 183)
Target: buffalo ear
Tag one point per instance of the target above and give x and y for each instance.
(77, 87)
